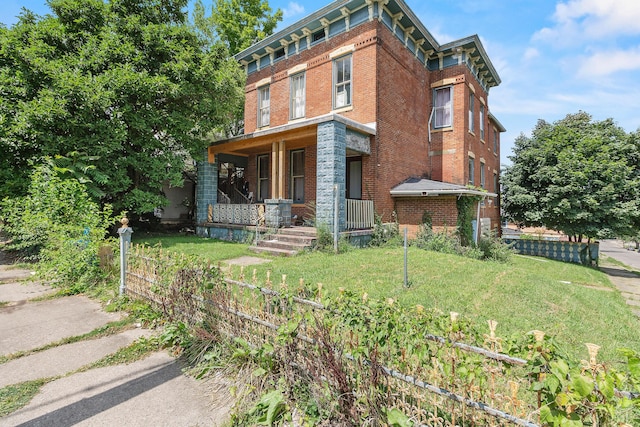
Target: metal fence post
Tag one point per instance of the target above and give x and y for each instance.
(125, 240)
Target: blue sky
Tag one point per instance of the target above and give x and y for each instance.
(554, 57)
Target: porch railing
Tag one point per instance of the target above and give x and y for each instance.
(238, 214)
(360, 214)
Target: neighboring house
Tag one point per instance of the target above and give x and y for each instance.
(358, 98)
(178, 210)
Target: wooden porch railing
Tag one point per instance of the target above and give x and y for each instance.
(360, 214)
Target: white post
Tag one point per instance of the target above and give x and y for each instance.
(125, 240)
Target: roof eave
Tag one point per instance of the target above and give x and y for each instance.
(418, 24)
(433, 193)
(499, 125)
(296, 26)
(483, 53)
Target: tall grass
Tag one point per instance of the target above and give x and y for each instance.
(576, 304)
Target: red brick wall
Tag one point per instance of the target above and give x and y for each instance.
(443, 210)
(401, 148)
(319, 80)
(384, 70)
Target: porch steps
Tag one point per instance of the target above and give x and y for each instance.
(286, 241)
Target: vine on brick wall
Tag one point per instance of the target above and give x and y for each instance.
(465, 205)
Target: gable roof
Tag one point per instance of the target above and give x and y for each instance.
(420, 187)
(340, 15)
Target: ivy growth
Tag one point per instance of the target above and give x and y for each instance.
(465, 207)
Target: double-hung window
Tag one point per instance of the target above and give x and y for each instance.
(297, 176)
(297, 96)
(342, 82)
(442, 107)
(482, 122)
(263, 177)
(471, 124)
(482, 175)
(264, 103)
(471, 171)
(495, 140)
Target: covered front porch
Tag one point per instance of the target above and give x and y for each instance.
(304, 173)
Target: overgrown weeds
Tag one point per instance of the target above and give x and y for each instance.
(488, 248)
(58, 225)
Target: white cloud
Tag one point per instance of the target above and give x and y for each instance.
(530, 54)
(576, 20)
(293, 9)
(609, 62)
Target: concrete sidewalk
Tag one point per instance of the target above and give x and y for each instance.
(627, 282)
(149, 392)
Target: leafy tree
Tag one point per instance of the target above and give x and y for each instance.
(237, 23)
(128, 83)
(577, 176)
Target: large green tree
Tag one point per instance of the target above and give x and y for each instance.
(130, 84)
(236, 23)
(577, 176)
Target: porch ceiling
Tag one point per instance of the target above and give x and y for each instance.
(296, 135)
(259, 142)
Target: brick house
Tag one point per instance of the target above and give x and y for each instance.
(358, 98)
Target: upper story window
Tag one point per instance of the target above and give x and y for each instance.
(495, 140)
(317, 36)
(495, 183)
(471, 171)
(342, 82)
(482, 175)
(471, 124)
(297, 96)
(442, 106)
(264, 110)
(482, 122)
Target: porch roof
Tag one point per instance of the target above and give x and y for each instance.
(420, 187)
(295, 130)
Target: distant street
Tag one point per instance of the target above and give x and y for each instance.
(627, 282)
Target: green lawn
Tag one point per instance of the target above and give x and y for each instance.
(574, 303)
(215, 250)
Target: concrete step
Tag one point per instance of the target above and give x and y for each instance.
(281, 244)
(298, 231)
(272, 251)
(292, 238)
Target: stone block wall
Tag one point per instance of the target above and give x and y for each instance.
(207, 189)
(331, 164)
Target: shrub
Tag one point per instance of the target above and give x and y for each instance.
(430, 240)
(495, 249)
(58, 225)
(385, 234)
(324, 241)
(488, 249)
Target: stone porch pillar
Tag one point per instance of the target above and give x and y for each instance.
(331, 167)
(207, 189)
